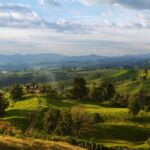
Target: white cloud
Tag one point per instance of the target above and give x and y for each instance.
(23, 30)
(51, 2)
(137, 4)
(111, 42)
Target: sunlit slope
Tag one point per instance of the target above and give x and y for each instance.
(27, 116)
(127, 82)
(12, 143)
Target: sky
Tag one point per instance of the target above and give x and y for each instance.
(75, 27)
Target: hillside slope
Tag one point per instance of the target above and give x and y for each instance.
(12, 143)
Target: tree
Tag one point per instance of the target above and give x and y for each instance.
(134, 106)
(105, 91)
(79, 88)
(108, 90)
(16, 92)
(3, 104)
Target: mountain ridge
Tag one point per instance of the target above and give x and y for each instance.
(19, 61)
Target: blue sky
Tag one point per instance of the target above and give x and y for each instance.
(75, 27)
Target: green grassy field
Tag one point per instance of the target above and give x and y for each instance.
(116, 130)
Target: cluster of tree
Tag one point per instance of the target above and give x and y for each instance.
(138, 102)
(104, 91)
(67, 122)
(16, 92)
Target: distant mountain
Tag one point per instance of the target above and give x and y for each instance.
(18, 61)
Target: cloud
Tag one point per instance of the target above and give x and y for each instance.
(22, 16)
(19, 16)
(51, 2)
(46, 40)
(137, 4)
(15, 7)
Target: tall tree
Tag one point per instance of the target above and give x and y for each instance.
(134, 105)
(79, 88)
(16, 92)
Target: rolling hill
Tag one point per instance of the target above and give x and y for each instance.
(18, 61)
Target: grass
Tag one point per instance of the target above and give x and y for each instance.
(116, 130)
(13, 143)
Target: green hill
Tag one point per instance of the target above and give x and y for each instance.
(25, 118)
(116, 130)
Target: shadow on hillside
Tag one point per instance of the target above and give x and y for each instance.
(27, 97)
(121, 132)
(7, 147)
(61, 103)
(143, 120)
(21, 118)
